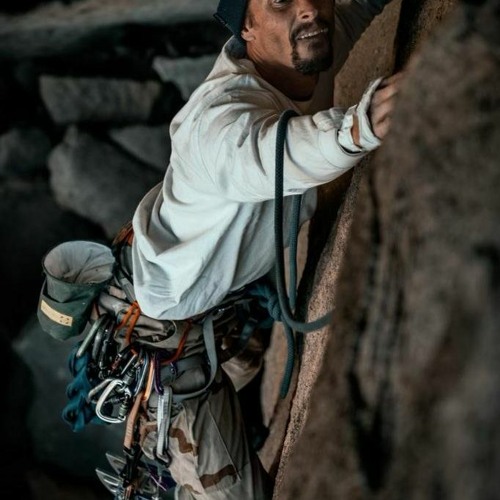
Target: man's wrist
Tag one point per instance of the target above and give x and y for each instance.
(356, 134)
(348, 134)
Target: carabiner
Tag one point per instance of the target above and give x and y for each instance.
(90, 336)
(120, 386)
(96, 390)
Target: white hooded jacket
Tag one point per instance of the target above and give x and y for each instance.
(207, 229)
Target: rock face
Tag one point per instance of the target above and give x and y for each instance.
(372, 56)
(88, 175)
(65, 27)
(71, 100)
(406, 404)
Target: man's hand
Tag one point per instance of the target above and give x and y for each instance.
(380, 109)
(382, 104)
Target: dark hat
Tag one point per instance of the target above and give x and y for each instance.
(231, 13)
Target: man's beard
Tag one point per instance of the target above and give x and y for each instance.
(316, 63)
(313, 65)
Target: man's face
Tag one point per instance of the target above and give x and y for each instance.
(296, 33)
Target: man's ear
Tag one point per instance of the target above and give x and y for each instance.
(247, 35)
(247, 32)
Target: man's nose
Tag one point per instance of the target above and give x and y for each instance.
(307, 10)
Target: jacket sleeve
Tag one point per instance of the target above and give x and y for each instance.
(237, 145)
(351, 20)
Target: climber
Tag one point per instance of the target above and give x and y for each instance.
(205, 233)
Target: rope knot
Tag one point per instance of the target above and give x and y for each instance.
(273, 308)
(268, 299)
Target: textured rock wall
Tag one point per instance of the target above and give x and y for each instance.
(372, 56)
(405, 405)
(375, 46)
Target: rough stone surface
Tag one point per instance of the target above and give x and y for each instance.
(146, 143)
(371, 57)
(55, 28)
(276, 406)
(23, 150)
(93, 179)
(409, 394)
(75, 100)
(187, 73)
(16, 442)
(418, 17)
(30, 224)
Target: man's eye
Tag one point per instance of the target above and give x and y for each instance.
(280, 4)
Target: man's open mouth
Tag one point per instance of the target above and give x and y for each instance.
(312, 34)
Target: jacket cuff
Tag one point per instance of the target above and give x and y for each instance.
(368, 141)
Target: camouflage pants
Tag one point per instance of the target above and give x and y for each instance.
(210, 454)
(211, 458)
(207, 443)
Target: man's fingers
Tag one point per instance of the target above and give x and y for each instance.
(387, 91)
(383, 95)
(381, 120)
(382, 104)
(383, 127)
(380, 111)
(395, 78)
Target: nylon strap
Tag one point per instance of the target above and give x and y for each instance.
(209, 339)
